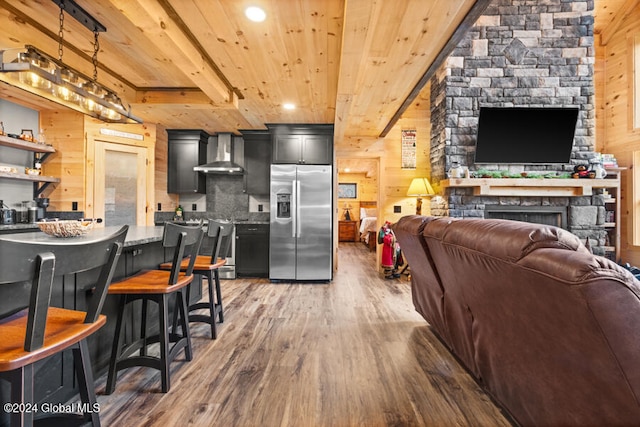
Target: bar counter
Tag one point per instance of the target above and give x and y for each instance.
(135, 236)
(142, 250)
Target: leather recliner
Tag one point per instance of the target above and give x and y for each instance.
(549, 330)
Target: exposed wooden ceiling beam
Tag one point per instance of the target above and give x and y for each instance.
(178, 96)
(617, 20)
(469, 20)
(158, 23)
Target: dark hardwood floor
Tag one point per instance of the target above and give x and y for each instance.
(350, 353)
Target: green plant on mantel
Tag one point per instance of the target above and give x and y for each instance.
(487, 173)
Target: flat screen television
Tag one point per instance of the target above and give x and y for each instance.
(525, 135)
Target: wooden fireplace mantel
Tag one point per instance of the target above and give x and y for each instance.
(535, 187)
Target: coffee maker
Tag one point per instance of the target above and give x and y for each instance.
(41, 203)
(7, 216)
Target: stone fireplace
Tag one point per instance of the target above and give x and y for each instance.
(520, 53)
(549, 215)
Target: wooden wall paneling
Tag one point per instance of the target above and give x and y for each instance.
(620, 138)
(599, 82)
(65, 131)
(397, 180)
(168, 202)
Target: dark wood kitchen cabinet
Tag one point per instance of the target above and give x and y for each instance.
(257, 159)
(187, 148)
(252, 250)
(302, 144)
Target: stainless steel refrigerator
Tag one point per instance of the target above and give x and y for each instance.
(301, 223)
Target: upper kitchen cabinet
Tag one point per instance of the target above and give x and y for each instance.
(302, 144)
(187, 149)
(257, 158)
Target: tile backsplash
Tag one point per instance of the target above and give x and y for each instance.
(225, 199)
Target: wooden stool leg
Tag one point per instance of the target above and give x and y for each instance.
(115, 349)
(163, 332)
(219, 295)
(84, 375)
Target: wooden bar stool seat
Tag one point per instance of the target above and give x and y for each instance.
(40, 331)
(157, 286)
(209, 266)
(64, 328)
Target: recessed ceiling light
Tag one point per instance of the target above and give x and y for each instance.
(255, 14)
(347, 170)
(289, 106)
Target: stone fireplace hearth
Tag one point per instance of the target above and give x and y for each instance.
(519, 54)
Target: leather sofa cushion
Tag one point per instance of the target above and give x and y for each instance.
(510, 240)
(427, 290)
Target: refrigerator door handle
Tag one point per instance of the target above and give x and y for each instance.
(294, 208)
(298, 231)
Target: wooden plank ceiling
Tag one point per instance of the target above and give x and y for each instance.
(201, 64)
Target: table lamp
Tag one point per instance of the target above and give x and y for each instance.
(420, 187)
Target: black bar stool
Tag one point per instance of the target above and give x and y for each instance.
(157, 286)
(209, 266)
(40, 331)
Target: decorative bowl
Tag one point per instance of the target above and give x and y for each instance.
(32, 171)
(66, 228)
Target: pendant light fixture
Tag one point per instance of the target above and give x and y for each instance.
(38, 73)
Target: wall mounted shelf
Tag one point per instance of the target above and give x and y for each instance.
(25, 145)
(43, 149)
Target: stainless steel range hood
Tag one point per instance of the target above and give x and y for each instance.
(223, 162)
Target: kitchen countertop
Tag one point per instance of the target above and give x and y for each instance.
(20, 226)
(136, 235)
(206, 221)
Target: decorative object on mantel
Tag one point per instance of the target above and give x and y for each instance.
(486, 173)
(581, 171)
(595, 165)
(456, 171)
(36, 72)
(420, 187)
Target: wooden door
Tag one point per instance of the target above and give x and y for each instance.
(120, 193)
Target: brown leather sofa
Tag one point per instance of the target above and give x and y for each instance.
(549, 330)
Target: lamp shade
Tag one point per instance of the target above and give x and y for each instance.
(420, 187)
